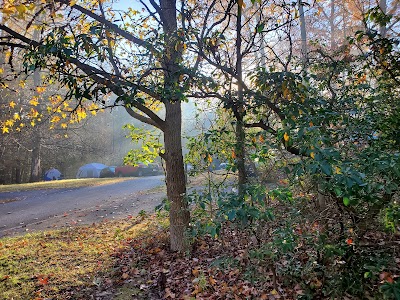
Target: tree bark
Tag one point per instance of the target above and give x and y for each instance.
(239, 109)
(383, 7)
(36, 136)
(176, 185)
(303, 33)
(332, 26)
(18, 173)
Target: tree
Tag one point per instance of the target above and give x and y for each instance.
(94, 51)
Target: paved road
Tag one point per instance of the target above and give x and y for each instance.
(48, 208)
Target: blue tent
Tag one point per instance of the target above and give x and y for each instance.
(52, 174)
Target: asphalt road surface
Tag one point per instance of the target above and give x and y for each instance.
(52, 208)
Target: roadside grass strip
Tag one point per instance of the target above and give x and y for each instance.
(57, 184)
(67, 263)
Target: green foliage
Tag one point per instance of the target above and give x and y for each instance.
(391, 290)
(344, 125)
(392, 217)
(150, 145)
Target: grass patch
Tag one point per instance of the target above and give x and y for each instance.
(64, 264)
(56, 184)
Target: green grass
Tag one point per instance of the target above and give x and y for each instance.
(54, 264)
(66, 183)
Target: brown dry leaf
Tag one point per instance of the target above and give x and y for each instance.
(263, 296)
(169, 294)
(197, 290)
(195, 272)
(125, 276)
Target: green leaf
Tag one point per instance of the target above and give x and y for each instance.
(326, 168)
(346, 201)
(260, 28)
(338, 192)
(231, 215)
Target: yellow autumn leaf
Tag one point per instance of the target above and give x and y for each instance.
(72, 2)
(21, 9)
(1, 71)
(5, 129)
(93, 108)
(81, 113)
(40, 89)
(311, 124)
(338, 170)
(55, 119)
(8, 10)
(286, 137)
(12, 104)
(17, 116)
(312, 155)
(64, 125)
(63, 115)
(261, 138)
(34, 101)
(33, 123)
(209, 158)
(9, 123)
(22, 83)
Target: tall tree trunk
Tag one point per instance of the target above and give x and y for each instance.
(35, 158)
(332, 26)
(36, 136)
(239, 109)
(303, 33)
(18, 172)
(383, 6)
(345, 16)
(176, 185)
